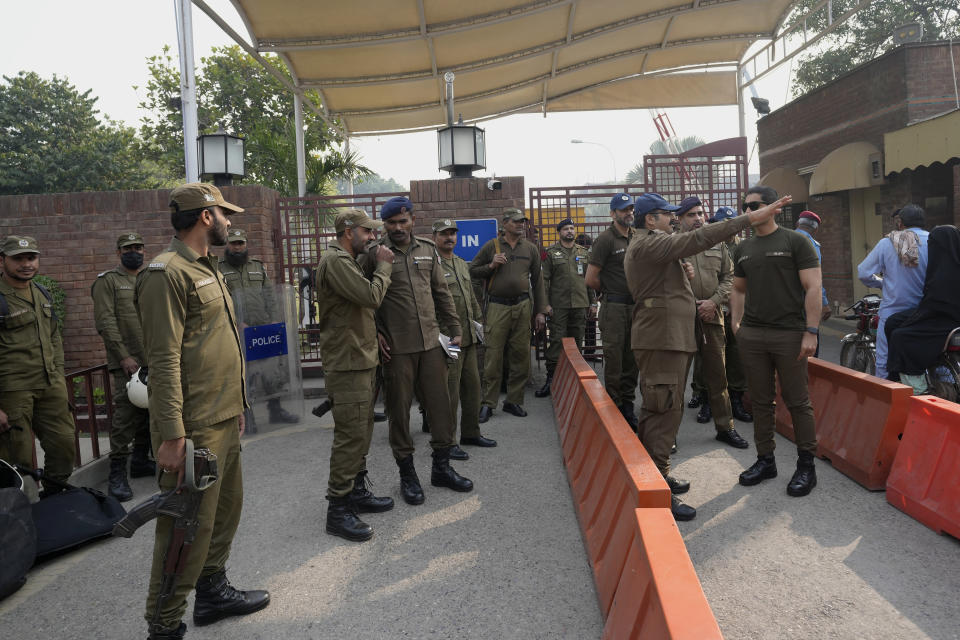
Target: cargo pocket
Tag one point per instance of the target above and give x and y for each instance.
(658, 392)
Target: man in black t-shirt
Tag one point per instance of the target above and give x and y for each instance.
(777, 328)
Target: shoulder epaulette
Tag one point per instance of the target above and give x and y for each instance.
(428, 241)
(103, 273)
(159, 263)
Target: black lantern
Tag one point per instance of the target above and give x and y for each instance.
(462, 149)
(221, 156)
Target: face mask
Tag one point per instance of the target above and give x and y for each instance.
(236, 258)
(131, 259)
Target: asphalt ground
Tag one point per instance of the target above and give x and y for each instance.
(507, 561)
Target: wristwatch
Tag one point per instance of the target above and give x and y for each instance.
(814, 330)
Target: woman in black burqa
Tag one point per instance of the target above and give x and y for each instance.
(916, 337)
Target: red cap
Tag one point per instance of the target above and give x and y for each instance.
(811, 215)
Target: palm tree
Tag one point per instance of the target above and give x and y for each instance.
(659, 148)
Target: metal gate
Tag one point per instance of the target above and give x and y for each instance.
(304, 228)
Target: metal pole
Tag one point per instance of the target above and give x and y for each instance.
(301, 155)
(346, 152)
(188, 88)
(448, 77)
(740, 106)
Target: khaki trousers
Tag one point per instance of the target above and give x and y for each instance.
(619, 366)
(663, 377)
(219, 516)
(507, 329)
(769, 354)
(352, 395)
(463, 387)
(564, 323)
(425, 371)
(46, 413)
(711, 355)
(131, 424)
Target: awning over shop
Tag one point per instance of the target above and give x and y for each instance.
(847, 167)
(786, 181)
(923, 143)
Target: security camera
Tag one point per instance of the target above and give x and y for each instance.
(494, 185)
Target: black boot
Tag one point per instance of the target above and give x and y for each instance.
(705, 415)
(249, 422)
(364, 500)
(167, 634)
(410, 487)
(141, 466)
(544, 391)
(280, 415)
(342, 520)
(804, 478)
(217, 599)
(680, 510)
(765, 467)
(117, 483)
(736, 404)
(696, 399)
(443, 475)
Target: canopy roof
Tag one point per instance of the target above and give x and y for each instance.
(378, 65)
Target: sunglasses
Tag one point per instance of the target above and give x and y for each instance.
(753, 206)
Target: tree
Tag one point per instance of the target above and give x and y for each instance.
(868, 34)
(659, 148)
(52, 141)
(234, 91)
(373, 183)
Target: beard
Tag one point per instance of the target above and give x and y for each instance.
(217, 236)
(358, 244)
(236, 258)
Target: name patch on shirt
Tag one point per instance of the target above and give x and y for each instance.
(778, 254)
(620, 251)
(202, 283)
(157, 266)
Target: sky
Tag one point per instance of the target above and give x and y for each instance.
(103, 46)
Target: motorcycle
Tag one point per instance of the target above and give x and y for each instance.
(943, 378)
(858, 350)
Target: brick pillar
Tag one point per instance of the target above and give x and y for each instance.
(462, 198)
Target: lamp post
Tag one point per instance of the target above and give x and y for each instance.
(462, 148)
(221, 156)
(612, 159)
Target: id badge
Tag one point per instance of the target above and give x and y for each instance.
(579, 266)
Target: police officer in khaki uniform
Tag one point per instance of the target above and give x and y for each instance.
(255, 305)
(663, 334)
(510, 265)
(33, 391)
(605, 274)
(348, 344)
(463, 373)
(117, 323)
(416, 308)
(711, 284)
(195, 357)
(571, 300)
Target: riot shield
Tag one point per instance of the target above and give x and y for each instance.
(267, 319)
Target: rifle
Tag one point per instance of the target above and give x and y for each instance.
(486, 293)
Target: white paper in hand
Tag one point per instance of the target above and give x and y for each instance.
(452, 350)
(479, 327)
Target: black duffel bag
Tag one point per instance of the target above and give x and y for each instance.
(18, 535)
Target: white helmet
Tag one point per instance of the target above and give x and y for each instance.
(137, 388)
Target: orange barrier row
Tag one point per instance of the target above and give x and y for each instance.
(611, 476)
(925, 479)
(859, 418)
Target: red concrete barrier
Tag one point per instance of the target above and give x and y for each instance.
(859, 420)
(658, 594)
(925, 479)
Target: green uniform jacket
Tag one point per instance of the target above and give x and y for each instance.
(666, 310)
(564, 273)
(251, 290)
(713, 279)
(516, 277)
(190, 341)
(348, 331)
(115, 316)
(418, 304)
(31, 349)
(457, 274)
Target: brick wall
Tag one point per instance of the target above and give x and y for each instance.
(463, 198)
(834, 239)
(77, 234)
(929, 78)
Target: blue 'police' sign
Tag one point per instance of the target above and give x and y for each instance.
(265, 341)
(473, 234)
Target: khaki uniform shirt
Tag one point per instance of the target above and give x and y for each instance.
(115, 316)
(665, 312)
(417, 304)
(516, 277)
(31, 348)
(564, 273)
(190, 341)
(348, 331)
(457, 274)
(713, 279)
(607, 252)
(251, 290)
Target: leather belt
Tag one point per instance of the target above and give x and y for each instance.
(509, 301)
(609, 297)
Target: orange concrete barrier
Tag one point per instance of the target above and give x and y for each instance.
(859, 420)
(571, 368)
(658, 594)
(925, 479)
